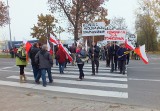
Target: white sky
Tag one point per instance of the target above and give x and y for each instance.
(23, 14)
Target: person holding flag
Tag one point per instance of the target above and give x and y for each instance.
(61, 58)
(21, 61)
(122, 55)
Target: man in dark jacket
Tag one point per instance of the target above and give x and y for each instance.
(34, 50)
(45, 61)
(122, 54)
(94, 54)
(113, 51)
(107, 54)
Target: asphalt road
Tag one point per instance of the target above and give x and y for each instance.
(143, 83)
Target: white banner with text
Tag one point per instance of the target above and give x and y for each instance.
(115, 35)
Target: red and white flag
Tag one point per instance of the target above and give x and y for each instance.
(49, 48)
(140, 51)
(129, 45)
(28, 47)
(53, 39)
(57, 42)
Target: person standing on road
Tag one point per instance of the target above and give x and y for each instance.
(113, 51)
(61, 58)
(21, 62)
(122, 54)
(94, 54)
(107, 54)
(34, 50)
(45, 61)
(79, 55)
(72, 49)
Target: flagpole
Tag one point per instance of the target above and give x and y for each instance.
(9, 27)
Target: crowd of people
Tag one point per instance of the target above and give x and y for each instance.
(116, 57)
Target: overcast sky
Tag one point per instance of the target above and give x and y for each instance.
(23, 14)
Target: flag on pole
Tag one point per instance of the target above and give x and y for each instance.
(140, 51)
(49, 48)
(129, 45)
(53, 39)
(86, 45)
(57, 42)
(28, 47)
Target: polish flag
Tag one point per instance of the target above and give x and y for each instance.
(49, 48)
(28, 47)
(140, 51)
(66, 52)
(53, 39)
(129, 45)
(57, 42)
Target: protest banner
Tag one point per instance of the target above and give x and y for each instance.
(93, 29)
(115, 35)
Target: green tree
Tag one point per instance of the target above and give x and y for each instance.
(146, 29)
(45, 26)
(4, 18)
(78, 12)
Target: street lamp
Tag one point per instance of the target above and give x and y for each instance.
(9, 27)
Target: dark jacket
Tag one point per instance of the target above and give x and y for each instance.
(32, 54)
(94, 50)
(113, 50)
(121, 54)
(107, 51)
(72, 49)
(44, 59)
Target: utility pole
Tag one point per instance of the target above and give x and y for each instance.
(9, 26)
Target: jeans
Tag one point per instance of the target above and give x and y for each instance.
(43, 73)
(61, 67)
(56, 62)
(35, 71)
(81, 74)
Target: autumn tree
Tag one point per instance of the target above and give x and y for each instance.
(146, 26)
(78, 12)
(4, 18)
(45, 26)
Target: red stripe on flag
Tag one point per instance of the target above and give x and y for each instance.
(140, 51)
(28, 47)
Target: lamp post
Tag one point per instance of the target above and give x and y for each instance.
(9, 27)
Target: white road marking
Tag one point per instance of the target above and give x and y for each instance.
(70, 72)
(85, 67)
(89, 73)
(135, 79)
(86, 77)
(68, 90)
(7, 67)
(115, 85)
